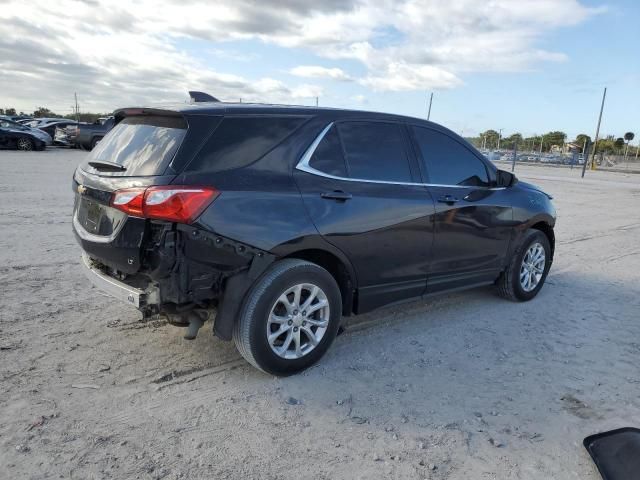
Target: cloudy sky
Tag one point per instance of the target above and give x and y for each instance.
(525, 65)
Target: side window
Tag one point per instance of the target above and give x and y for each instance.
(328, 157)
(448, 162)
(238, 141)
(375, 151)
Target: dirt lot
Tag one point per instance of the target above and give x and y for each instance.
(466, 386)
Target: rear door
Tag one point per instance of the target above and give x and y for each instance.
(473, 221)
(361, 188)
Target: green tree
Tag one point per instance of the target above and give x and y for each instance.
(489, 138)
(554, 138)
(9, 111)
(580, 140)
(42, 112)
(606, 145)
(628, 137)
(511, 140)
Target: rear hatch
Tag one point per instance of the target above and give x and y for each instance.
(136, 153)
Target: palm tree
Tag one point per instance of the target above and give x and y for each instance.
(628, 137)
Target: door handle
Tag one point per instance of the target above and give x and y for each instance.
(448, 199)
(336, 195)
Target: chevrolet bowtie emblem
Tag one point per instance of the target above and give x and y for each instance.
(82, 189)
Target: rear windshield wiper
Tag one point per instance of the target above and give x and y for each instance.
(107, 166)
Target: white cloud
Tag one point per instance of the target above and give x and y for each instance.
(407, 77)
(307, 91)
(115, 55)
(313, 71)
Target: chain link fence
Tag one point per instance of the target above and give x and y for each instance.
(630, 164)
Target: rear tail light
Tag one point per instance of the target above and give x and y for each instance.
(181, 204)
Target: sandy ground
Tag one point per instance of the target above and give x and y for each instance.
(465, 386)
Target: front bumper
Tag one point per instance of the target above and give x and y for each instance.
(117, 289)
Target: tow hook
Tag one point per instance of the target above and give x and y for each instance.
(196, 319)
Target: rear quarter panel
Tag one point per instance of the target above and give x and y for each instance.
(260, 204)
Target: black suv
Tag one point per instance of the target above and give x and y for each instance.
(281, 220)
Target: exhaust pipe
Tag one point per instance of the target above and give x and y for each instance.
(196, 319)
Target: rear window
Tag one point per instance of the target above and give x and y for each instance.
(143, 144)
(239, 141)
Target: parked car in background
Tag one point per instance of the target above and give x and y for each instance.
(16, 118)
(62, 136)
(87, 135)
(16, 136)
(284, 219)
(38, 122)
(51, 126)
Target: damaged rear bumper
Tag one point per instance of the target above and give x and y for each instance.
(133, 296)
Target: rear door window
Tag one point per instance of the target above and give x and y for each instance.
(239, 141)
(144, 145)
(328, 157)
(375, 151)
(449, 162)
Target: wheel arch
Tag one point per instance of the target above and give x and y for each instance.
(237, 286)
(547, 229)
(340, 270)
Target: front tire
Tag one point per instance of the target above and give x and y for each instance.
(528, 269)
(289, 318)
(25, 144)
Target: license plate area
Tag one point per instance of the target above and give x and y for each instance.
(96, 218)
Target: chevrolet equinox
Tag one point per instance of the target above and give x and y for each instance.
(278, 220)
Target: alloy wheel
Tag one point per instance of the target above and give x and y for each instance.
(298, 320)
(24, 144)
(532, 267)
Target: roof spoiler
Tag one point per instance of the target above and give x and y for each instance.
(200, 97)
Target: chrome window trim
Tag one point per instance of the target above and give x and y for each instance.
(303, 165)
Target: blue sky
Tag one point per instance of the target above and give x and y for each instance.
(530, 65)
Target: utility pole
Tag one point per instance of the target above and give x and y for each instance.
(75, 94)
(595, 142)
(316, 101)
(515, 153)
(430, 102)
(499, 137)
(586, 156)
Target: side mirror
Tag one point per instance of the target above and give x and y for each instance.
(505, 179)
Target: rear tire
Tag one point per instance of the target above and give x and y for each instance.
(289, 317)
(526, 273)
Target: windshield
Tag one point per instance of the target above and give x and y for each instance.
(144, 145)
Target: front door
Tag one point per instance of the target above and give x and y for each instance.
(473, 221)
(361, 189)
